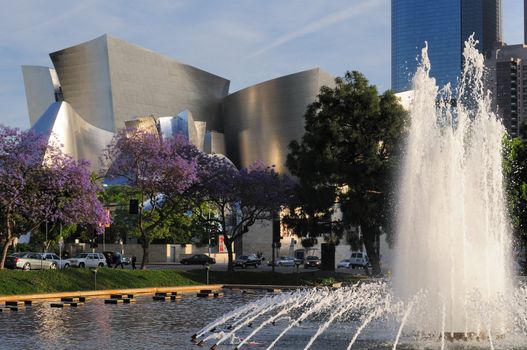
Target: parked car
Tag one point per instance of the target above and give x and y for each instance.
(126, 259)
(346, 264)
(285, 261)
(29, 261)
(198, 259)
(359, 259)
(259, 258)
(61, 263)
(111, 258)
(312, 261)
(88, 260)
(244, 261)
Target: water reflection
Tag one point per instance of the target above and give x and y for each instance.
(144, 325)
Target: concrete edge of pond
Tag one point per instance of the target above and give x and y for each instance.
(262, 286)
(146, 291)
(107, 292)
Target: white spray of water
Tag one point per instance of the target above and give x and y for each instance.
(451, 274)
(453, 235)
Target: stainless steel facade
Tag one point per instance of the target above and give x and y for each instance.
(79, 139)
(107, 83)
(261, 120)
(42, 89)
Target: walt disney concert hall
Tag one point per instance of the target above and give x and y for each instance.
(100, 86)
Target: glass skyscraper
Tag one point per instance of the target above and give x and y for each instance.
(445, 25)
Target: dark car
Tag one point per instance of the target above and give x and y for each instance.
(113, 257)
(312, 261)
(244, 261)
(198, 259)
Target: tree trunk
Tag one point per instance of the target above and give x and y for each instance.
(228, 245)
(5, 248)
(145, 245)
(8, 241)
(370, 236)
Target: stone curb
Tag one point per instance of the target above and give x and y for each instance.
(107, 293)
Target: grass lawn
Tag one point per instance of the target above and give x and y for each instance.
(48, 281)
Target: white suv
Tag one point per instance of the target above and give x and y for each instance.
(358, 259)
(88, 260)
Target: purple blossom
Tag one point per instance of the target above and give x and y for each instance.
(39, 183)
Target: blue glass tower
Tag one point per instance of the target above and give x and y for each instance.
(445, 25)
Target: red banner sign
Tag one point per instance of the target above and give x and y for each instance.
(221, 244)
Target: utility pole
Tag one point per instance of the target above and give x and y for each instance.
(46, 243)
(208, 229)
(276, 237)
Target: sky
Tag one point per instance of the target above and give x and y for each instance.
(245, 41)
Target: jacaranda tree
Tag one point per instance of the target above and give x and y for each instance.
(39, 183)
(155, 169)
(238, 198)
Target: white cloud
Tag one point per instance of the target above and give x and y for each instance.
(334, 18)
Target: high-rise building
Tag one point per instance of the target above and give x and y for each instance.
(444, 25)
(508, 82)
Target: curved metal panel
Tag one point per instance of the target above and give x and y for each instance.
(261, 120)
(144, 82)
(42, 86)
(84, 73)
(183, 124)
(109, 81)
(78, 138)
(214, 143)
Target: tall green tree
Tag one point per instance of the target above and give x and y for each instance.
(515, 172)
(351, 146)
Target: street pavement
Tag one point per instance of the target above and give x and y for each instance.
(223, 267)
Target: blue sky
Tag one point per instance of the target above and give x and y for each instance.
(246, 41)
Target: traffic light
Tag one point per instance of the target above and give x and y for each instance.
(134, 206)
(276, 231)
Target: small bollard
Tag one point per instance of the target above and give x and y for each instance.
(94, 278)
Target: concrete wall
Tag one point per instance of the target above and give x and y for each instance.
(159, 253)
(259, 239)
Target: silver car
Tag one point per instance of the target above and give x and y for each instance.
(61, 263)
(30, 261)
(285, 261)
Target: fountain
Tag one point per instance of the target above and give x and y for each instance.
(452, 284)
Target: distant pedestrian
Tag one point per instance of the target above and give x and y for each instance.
(118, 261)
(134, 259)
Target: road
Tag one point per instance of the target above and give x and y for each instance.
(223, 267)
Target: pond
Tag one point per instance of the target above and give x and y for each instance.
(149, 324)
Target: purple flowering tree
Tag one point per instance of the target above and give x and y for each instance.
(239, 198)
(155, 169)
(39, 183)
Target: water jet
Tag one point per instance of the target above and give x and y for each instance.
(451, 277)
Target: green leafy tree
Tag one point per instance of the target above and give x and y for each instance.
(515, 172)
(349, 152)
